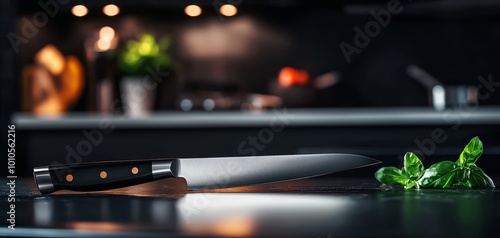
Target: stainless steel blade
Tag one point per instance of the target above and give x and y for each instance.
(223, 172)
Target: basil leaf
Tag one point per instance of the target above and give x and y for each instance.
(463, 175)
(411, 184)
(478, 179)
(471, 152)
(391, 176)
(413, 167)
(439, 175)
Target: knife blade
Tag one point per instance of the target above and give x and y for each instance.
(199, 173)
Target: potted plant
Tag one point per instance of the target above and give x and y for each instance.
(136, 62)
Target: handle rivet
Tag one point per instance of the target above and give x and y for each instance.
(135, 170)
(103, 174)
(69, 177)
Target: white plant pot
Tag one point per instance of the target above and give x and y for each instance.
(137, 97)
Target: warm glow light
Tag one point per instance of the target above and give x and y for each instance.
(111, 10)
(107, 33)
(228, 10)
(96, 226)
(52, 106)
(289, 76)
(192, 10)
(102, 45)
(235, 226)
(79, 10)
(50, 57)
(106, 39)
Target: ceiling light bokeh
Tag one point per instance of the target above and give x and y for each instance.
(102, 45)
(107, 33)
(79, 10)
(106, 39)
(228, 10)
(111, 10)
(192, 10)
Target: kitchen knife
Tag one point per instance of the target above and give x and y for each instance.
(200, 173)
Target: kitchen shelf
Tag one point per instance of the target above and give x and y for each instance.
(293, 118)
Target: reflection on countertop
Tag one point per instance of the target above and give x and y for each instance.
(320, 207)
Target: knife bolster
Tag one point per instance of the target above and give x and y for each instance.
(161, 169)
(43, 179)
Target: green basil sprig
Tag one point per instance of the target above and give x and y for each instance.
(408, 176)
(463, 172)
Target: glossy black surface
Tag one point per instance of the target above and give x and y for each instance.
(320, 207)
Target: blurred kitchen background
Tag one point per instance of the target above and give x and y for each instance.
(185, 78)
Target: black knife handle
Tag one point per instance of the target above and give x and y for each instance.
(101, 175)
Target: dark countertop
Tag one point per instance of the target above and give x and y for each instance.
(320, 207)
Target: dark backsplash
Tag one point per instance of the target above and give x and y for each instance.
(455, 44)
